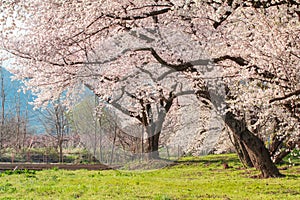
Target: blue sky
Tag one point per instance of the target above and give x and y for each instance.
(11, 88)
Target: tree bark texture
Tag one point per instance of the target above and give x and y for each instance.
(152, 147)
(258, 153)
(242, 152)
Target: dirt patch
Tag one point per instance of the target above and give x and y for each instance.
(148, 165)
(21, 166)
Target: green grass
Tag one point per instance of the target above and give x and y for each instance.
(191, 178)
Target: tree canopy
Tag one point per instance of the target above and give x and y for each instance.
(247, 50)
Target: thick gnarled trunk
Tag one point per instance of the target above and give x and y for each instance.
(151, 151)
(242, 152)
(153, 130)
(258, 153)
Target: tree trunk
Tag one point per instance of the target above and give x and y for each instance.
(61, 160)
(242, 152)
(152, 147)
(113, 146)
(3, 99)
(280, 148)
(279, 157)
(258, 153)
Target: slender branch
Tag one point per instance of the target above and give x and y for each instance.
(182, 93)
(177, 67)
(237, 59)
(151, 6)
(29, 57)
(165, 74)
(295, 93)
(251, 3)
(216, 24)
(271, 3)
(146, 72)
(65, 63)
(116, 105)
(243, 62)
(142, 16)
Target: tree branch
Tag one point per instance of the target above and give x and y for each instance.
(295, 93)
(178, 67)
(142, 16)
(272, 3)
(243, 62)
(249, 3)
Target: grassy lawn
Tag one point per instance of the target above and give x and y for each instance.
(192, 178)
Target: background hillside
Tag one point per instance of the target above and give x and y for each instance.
(18, 101)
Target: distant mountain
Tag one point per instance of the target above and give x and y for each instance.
(15, 97)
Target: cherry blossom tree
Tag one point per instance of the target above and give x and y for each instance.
(263, 52)
(145, 91)
(254, 46)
